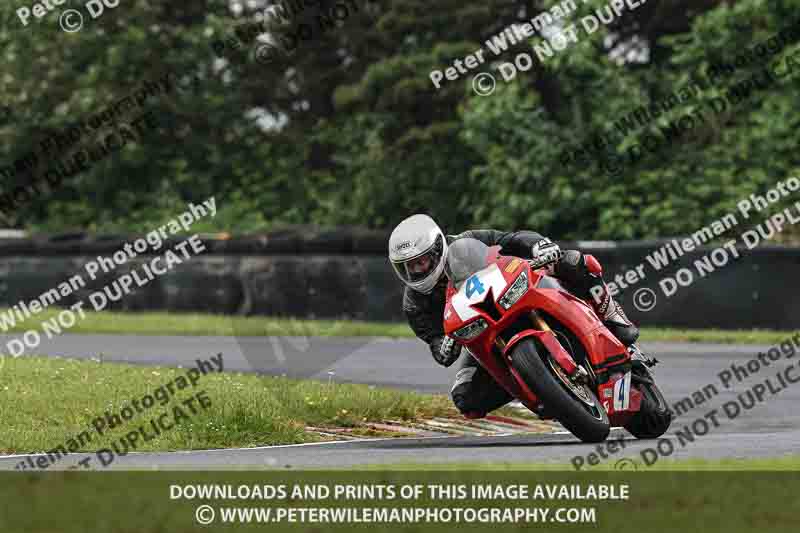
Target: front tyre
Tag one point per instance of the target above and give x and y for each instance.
(575, 406)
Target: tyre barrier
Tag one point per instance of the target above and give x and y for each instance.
(343, 273)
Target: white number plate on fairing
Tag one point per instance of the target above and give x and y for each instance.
(475, 289)
(622, 393)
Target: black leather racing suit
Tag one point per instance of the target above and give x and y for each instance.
(474, 390)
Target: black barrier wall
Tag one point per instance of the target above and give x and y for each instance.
(344, 273)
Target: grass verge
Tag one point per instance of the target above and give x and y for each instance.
(167, 323)
(153, 323)
(52, 400)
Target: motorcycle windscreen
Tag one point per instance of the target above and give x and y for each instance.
(464, 258)
(549, 282)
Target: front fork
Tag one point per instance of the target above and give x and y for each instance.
(580, 375)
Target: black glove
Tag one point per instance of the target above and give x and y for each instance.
(544, 253)
(445, 350)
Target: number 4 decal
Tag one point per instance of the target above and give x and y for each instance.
(476, 287)
(473, 286)
(622, 391)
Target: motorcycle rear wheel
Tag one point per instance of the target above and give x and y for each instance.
(588, 423)
(654, 417)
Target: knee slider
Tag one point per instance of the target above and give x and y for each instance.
(465, 404)
(462, 393)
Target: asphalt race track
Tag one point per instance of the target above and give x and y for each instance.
(770, 429)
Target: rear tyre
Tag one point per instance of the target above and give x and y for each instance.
(578, 410)
(654, 417)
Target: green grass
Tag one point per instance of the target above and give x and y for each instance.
(46, 401)
(152, 323)
(166, 323)
(722, 336)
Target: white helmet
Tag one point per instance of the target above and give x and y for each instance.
(418, 252)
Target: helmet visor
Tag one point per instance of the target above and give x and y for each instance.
(420, 266)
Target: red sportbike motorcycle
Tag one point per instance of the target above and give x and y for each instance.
(547, 347)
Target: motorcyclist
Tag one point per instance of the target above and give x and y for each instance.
(418, 252)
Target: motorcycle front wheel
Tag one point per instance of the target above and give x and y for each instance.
(574, 406)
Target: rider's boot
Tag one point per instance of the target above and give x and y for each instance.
(614, 318)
